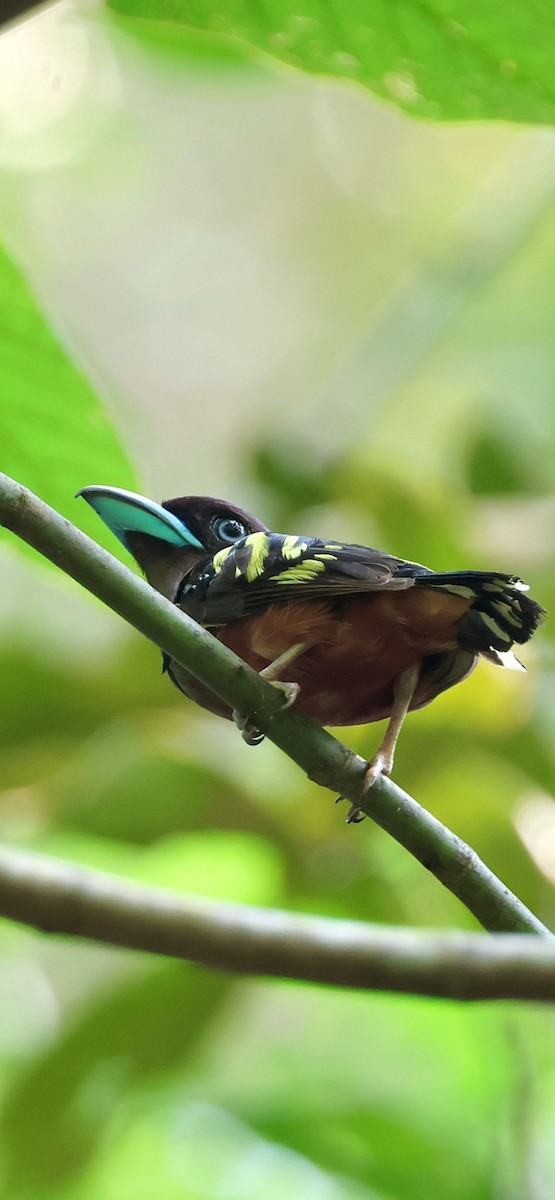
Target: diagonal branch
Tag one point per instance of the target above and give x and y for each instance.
(51, 895)
(320, 755)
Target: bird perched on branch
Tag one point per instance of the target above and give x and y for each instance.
(352, 635)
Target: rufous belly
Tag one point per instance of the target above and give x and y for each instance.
(357, 648)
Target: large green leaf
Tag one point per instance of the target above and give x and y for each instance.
(434, 58)
(55, 435)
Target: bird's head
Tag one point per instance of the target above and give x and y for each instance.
(168, 539)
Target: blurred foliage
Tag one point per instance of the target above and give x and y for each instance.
(127, 1078)
(160, 1079)
(54, 430)
(444, 61)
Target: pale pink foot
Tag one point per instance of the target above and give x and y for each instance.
(249, 732)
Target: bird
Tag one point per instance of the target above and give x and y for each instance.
(351, 635)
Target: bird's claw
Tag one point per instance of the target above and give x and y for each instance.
(380, 765)
(290, 691)
(355, 814)
(249, 732)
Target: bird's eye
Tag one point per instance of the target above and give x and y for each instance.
(228, 529)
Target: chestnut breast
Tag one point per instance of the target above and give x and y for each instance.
(357, 647)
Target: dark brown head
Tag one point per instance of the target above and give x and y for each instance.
(167, 540)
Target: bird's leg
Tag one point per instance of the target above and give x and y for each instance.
(403, 692)
(382, 762)
(249, 732)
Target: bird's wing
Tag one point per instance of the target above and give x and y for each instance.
(271, 568)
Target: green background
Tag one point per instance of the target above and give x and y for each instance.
(274, 288)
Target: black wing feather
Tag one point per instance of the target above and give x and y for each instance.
(264, 569)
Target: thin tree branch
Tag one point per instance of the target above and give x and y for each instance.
(53, 896)
(321, 756)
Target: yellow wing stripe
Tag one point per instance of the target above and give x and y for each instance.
(259, 545)
(292, 546)
(219, 558)
(303, 573)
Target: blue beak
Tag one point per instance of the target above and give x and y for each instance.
(126, 512)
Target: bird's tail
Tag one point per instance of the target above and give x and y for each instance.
(499, 612)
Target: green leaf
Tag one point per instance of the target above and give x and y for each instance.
(55, 435)
(437, 58)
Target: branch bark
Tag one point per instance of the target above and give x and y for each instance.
(320, 755)
(53, 896)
